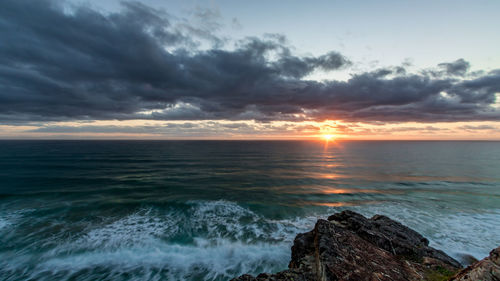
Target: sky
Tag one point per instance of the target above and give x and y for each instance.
(249, 69)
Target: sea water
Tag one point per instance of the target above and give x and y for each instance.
(212, 210)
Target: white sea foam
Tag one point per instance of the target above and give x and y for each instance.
(227, 240)
(217, 240)
(215, 260)
(8, 219)
(225, 219)
(136, 229)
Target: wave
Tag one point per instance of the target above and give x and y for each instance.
(211, 240)
(218, 259)
(202, 240)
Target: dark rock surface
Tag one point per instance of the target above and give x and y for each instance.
(351, 247)
(391, 236)
(487, 269)
(467, 259)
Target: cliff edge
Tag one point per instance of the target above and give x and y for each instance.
(349, 246)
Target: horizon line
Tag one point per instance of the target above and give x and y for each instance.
(240, 139)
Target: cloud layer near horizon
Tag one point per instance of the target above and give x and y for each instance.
(61, 64)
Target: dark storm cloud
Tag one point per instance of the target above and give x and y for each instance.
(60, 63)
(458, 67)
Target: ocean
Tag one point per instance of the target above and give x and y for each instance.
(213, 210)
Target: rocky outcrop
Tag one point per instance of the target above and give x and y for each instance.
(349, 246)
(487, 269)
(391, 236)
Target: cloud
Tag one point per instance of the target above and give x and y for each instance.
(142, 63)
(235, 24)
(457, 68)
(479, 127)
(179, 129)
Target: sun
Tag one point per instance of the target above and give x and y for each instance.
(327, 137)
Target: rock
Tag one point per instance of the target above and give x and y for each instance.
(487, 269)
(351, 247)
(467, 259)
(391, 236)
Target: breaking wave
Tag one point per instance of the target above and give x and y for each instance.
(204, 240)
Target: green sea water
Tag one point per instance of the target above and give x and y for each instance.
(212, 210)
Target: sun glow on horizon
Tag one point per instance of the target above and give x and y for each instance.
(328, 131)
(327, 137)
